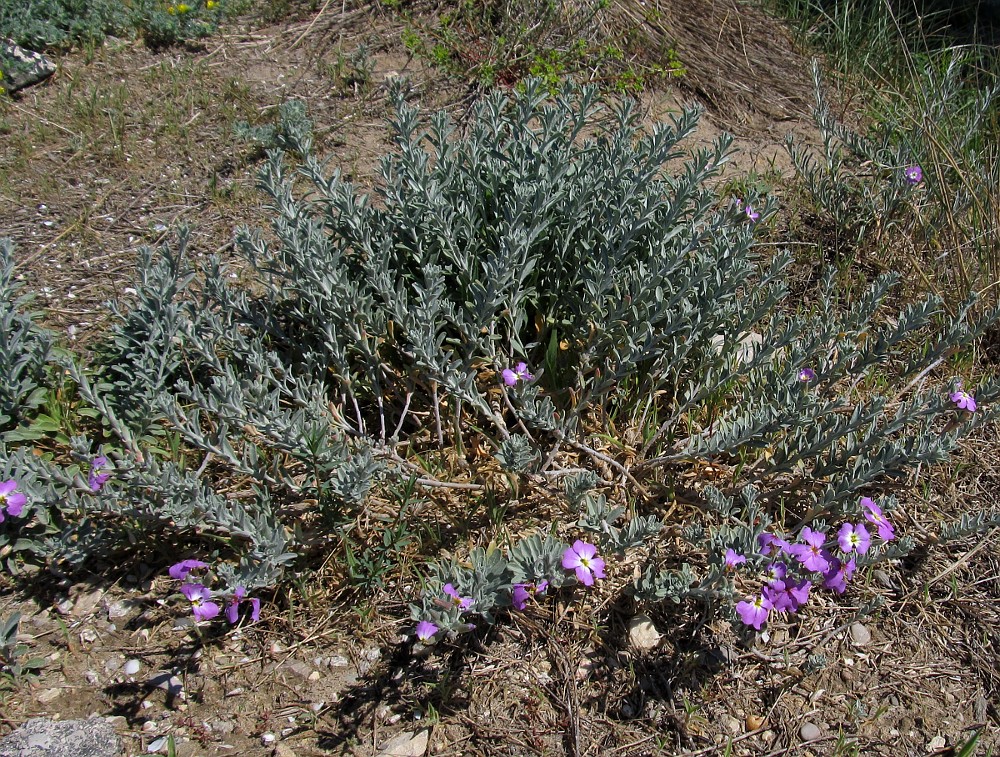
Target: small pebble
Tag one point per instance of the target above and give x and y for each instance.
(809, 731)
(936, 744)
(860, 635)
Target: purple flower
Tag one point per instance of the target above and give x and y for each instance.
(854, 538)
(752, 214)
(180, 570)
(519, 373)
(964, 401)
(798, 592)
(776, 571)
(426, 630)
(806, 375)
(523, 592)
(811, 554)
(874, 515)
(457, 600)
(734, 558)
(582, 558)
(753, 612)
(913, 174)
(519, 596)
(238, 598)
(769, 542)
(11, 499)
(838, 575)
(96, 480)
(787, 595)
(199, 596)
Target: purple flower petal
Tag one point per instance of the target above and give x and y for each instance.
(597, 565)
(195, 592)
(459, 601)
(97, 480)
(426, 630)
(734, 558)
(206, 610)
(179, 571)
(582, 558)
(875, 516)
(754, 611)
(16, 503)
(10, 499)
(769, 542)
(519, 596)
(964, 401)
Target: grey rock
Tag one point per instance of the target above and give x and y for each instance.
(406, 744)
(732, 725)
(299, 668)
(810, 731)
(42, 737)
(22, 68)
(642, 633)
(860, 635)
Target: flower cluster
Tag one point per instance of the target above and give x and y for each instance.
(11, 499)
(810, 561)
(581, 558)
(201, 596)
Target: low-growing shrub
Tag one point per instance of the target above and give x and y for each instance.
(556, 288)
(48, 24)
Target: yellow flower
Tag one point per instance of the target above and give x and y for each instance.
(171, 10)
(183, 8)
(211, 4)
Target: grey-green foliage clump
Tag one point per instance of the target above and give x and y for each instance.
(370, 329)
(293, 129)
(25, 348)
(509, 242)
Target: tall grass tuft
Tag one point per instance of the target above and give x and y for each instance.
(931, 96)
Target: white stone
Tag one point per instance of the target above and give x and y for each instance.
(642, 634)
(406, 744)
(810, 731)
(860, 635)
